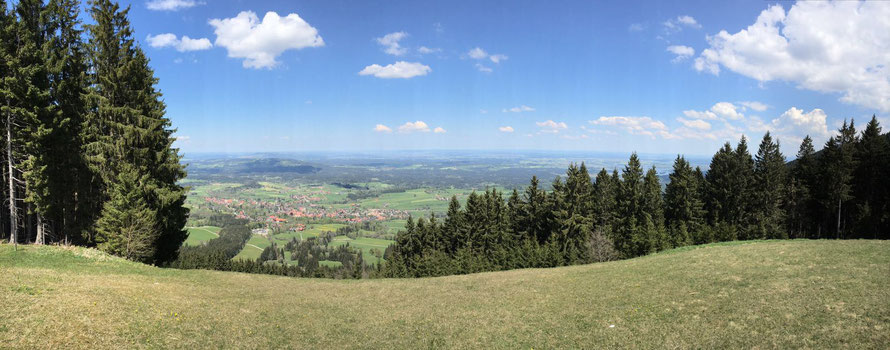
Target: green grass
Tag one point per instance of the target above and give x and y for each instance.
(253, 248)
(775, 294)
(365, 244)
(198, 235)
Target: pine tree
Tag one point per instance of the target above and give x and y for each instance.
(802, 207)
(127, 127)
(683, 204)
(836, 167)
(604, 201)
(127, 226)
(870, 182)
(653, 211)
(630, 227)
(769, 191)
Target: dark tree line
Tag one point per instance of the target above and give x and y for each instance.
(87, 152)
(839, 192)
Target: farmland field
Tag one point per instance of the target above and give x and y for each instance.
(198, 235)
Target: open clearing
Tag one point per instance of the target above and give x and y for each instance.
(198, 235)
(773, 294)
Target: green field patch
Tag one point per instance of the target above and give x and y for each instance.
(330, 263)
(198, 235)
(365, 244)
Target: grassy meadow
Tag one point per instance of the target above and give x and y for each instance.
(769, 294)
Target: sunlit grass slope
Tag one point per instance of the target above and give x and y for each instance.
(776, 294)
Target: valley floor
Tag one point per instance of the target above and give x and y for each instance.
(772, 294)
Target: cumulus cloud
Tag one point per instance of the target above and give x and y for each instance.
(260, 43)
(551, 126)
(505, 129)
(482, 68)
(400, 69)
(382, 128)
(635, 125)
(681, 52)
(831, 47)
(754, 105)
(727, 110)
(519, 109)
(477, 53)
(678, 23)
(813, 123)
(181, 45)
(428, 50)
(695, 123)
(390, 43)
(700, 114)
(417, 126)
(439, 130)
(171, 5)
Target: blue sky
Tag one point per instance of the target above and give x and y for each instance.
(616, 76)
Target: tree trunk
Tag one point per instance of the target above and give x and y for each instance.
(13, 228)
(40, 230)
(838, 218)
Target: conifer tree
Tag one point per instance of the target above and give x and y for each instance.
(630, 197)
(653, 211)
(870, 184)
(683, 204)
(836, 167)
(604, 201)
(802, 205)
(769, 191)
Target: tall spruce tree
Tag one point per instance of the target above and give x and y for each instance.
(836, 168)
(128, 132)
(605, 191)
(683, 204)
(653, 213)
(769, 191)
(802, 207)
(870, 185)
(630, 228)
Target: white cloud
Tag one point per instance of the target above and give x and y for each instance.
(171, 5)
(417, 126)
(700, 115)
(727, 110)
(677, 24)
(695, 123)
(477, 53)
(439, 130)
(390, 42)
(260, 43)
(382, 128)
(482, 68)
(506, 129)
(813, 123)
(427, 50)
(183, 139)
(636, 27)
(519, 109)
(400, 69)
(831, 47)
(498, 58)
(181, 45)
(551, 126)
(635, 125)
(754, 105)
(682, 52)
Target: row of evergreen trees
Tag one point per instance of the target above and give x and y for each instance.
(839, 192)
(88, 156)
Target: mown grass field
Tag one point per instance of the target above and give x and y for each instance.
(774, 294)
(198, 235)
(365, 244)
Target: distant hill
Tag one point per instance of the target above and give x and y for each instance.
(246, 166)
(773, 294)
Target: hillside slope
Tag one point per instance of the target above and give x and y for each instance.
(775, 294)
